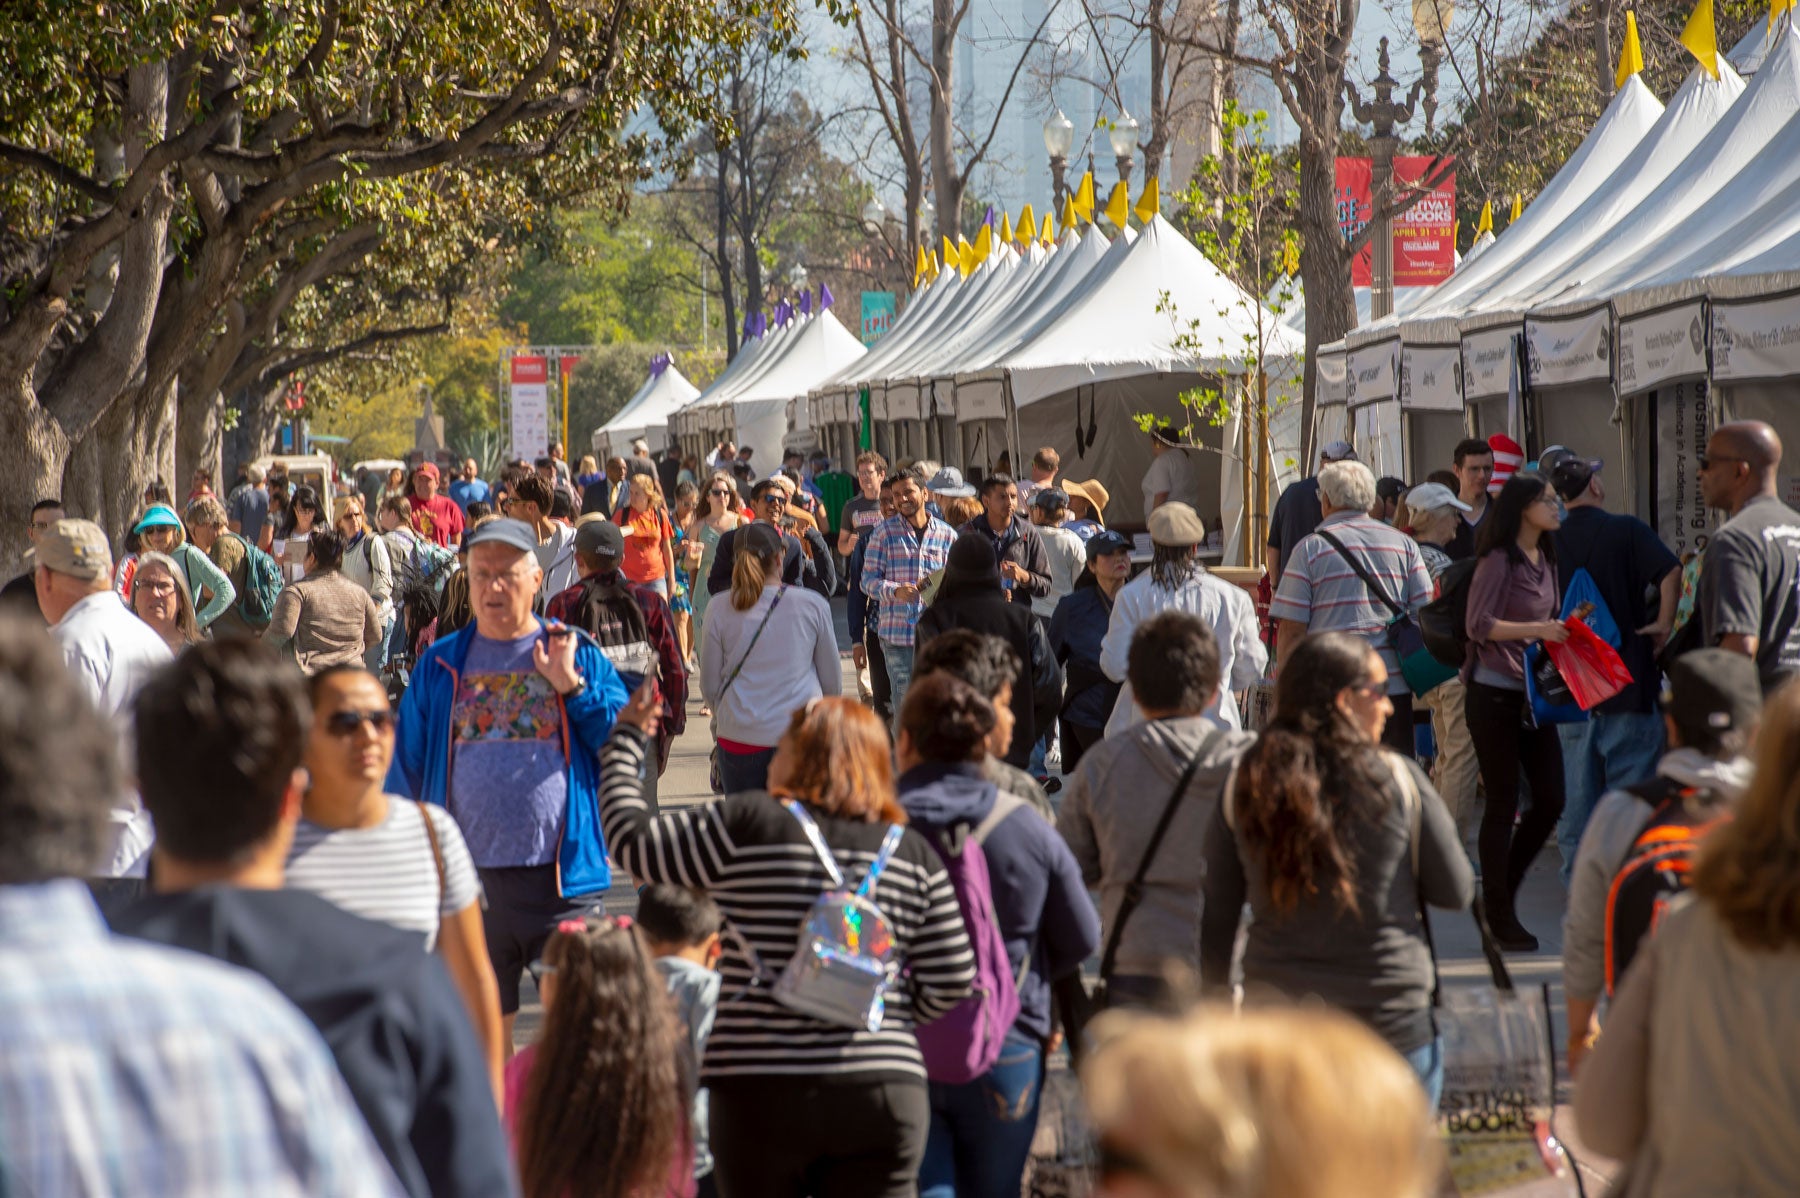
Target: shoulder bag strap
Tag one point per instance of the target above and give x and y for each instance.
(1004, 805)
(1362, 572)
(437, 852)
(817, 839)
(754, 637)
(1134, 890)
(889, 843)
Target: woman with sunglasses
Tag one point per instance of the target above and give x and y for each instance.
(161, 531)
(717, 515)
(367, 564)
(1336, 843)
(392, 860)
(1513, 601)
(303, 516)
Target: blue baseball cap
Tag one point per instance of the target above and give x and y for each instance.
(1106, 541)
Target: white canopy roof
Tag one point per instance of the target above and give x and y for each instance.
(1111, 328)
(649, 410)
(1079, 256)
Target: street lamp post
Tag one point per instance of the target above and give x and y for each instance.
(1059, 138)
(1124, 138)
(1384, 113)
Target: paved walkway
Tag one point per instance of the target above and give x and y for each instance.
(1458, 944)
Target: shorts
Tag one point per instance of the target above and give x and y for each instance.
(524, 905)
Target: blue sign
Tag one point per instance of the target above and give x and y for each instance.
(877, 315)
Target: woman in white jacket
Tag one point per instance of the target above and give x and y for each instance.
(366, 563)
(751, 655)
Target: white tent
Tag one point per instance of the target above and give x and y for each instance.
(751, 407)
(647, 413)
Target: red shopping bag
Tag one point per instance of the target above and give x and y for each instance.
(1593, 669)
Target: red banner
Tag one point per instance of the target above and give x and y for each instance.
(567, 363)
(529, 370)
(1424, 235)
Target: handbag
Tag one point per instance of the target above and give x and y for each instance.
(1078, 1006)
(713, 778)
(1423, 672)
(1541, 704)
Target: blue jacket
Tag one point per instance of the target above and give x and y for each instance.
(422, 747)
(1040, 902)
(1077, 628)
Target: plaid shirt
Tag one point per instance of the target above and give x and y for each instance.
(899, 556)
(131, 1069)
(1322, 591)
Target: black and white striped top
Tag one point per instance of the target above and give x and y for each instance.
(752, 858)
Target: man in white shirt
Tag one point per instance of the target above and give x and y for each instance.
(112, 654)
(555, 551)
(1173, 476)
(1044, 465)
(1176, 579)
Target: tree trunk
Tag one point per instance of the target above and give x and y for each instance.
(1159, 98)
(133, 445)
(199, 426)
(33, 449)
(1324, 266)
(1603, 65)
(722, 257)
(947, 180)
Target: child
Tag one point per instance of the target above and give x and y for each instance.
(599, 1111)
(681, 929)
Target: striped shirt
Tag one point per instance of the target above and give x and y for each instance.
(752, 858)
(899, 555)
(1322, 591)
(388, 873)
(128, 1068)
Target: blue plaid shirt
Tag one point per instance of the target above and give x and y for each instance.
(131, 1069)
(899, 555)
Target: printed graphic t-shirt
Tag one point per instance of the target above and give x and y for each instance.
(509, 782)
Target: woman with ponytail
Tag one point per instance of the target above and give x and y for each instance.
(1336, 843)
(598, 1106)
(758, 640)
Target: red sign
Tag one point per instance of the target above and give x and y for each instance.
(295, 399)
(529, 370)
(568, 363)
(1424, 235)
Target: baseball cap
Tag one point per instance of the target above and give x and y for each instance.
(1429, 497)
(74, 547)
(1050, 497)
(1104, 542)
(515, 534)
(600, 538)
(158, 516)
(1389, 487)
(428, 468)
(949, 483)
(1712, 691)
(1338, 451)
(1176, 524)
(1572, 474)
(760, 539)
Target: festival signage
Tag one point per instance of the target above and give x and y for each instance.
(1756, 340)
(1487, 362)
(1662, 346)
(1424, 236)
(1430, 378)
(530, 387)
(1373, 373)
(877, 315)
(1683, 421)
(1572, 349)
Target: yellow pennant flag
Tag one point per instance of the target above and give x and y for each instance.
(1487, 219)
(1518, 207)
(936, 267)
(1776, 8)
(1150, 203)
(984, 243)
(1631, 58)
(966, 261)
(950, 258)
(1701, 40)
(1084, 197)
(1006, 229)
(919, 268)
(1118, 205)
(1048, 236)
(1025, 231)
(1069, 214)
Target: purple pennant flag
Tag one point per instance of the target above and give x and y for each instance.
(784, 311)
(749, 326)
(806, 302)
(988, 219)
(824, 297)
(658, 364)
(762, 325)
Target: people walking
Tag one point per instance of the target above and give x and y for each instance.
(767, 650)
(768, 505)
(555, 552)
(1474, 462)
(902, 551)
(303, 515)
(1749, 594)
(717, 515)
(862, 512)
(1139, 804)
(393, 1021)
(1063, 550)
(1024, 566)
(862, 614)
(446, 517)
(207, 530)
(1436, 513)
(1178, 580)
(1087, 507)
(468, 487)
(160, 531)
(368, 565)
(649, 537)
(989, 665)
(982, 1129)
(1077, 630)
(326, 619)
(159, 597)
(684, 930)
(502, 725)
(1513, 602)
(1336, 844)
(20, 595)
(396, 861)
(1297, 513)
(798, 1105)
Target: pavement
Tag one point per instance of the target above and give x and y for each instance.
(1460, 960)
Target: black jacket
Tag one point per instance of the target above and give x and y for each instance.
(819, 574)
(1020, 545)
(1037, 695)
(384, 1006)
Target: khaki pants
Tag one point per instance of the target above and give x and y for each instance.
(1456, 770)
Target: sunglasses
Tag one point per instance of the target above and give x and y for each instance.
(348, 723)
(719, 491)
(1706, 461)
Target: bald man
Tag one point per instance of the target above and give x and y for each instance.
(1749, 577)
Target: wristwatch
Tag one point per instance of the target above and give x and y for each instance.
(580, 685)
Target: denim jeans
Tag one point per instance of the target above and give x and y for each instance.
(899, 660)
(1428, 1063)
(1604, 753)
(745, 771)
(981, 1131)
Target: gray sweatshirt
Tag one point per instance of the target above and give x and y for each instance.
(1111, 807)
(1606, 842)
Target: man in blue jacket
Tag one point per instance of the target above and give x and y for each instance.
(503, 725)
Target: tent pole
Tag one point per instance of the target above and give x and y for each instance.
(1245, 450)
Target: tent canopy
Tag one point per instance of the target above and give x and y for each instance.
(665, 391)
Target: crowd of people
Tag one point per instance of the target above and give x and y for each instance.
(385, 774)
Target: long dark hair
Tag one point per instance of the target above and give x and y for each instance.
(1500, 530)
(303, 497)
(1307, 775)
(604, 1106)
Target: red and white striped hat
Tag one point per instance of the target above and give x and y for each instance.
(1508, 457)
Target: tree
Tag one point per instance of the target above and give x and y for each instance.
(182, 177)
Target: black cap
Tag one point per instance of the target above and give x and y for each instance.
(1572, 474)
(761, 539)
(600, 538)
(513, 533)
(1711, 691)
(1106, 541)
(1389, 487)
(1050, 498)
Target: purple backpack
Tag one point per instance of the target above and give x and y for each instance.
(964, 1043)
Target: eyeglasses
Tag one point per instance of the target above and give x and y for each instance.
(156, 586)
(481, 579)
(348, 723)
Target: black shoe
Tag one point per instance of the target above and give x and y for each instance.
(1511, 935)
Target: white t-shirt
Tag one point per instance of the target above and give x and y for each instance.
(387, 872)
(1068, 558)
(1175, 473)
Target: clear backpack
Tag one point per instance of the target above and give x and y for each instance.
(841, 970)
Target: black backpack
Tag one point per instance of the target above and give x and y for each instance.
(1444, 622)
(1655, 871)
